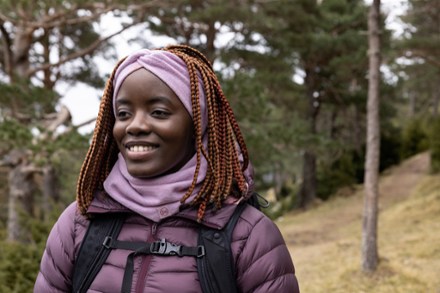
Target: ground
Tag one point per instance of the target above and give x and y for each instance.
(325, 241)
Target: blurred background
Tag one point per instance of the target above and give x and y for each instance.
(296, 74)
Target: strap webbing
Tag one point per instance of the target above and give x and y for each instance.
(162, 248)
(91, 256)
(217, 269)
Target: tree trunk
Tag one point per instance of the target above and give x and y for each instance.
(307, 193)
(50, 190)
(412, 104)
(369, 232)
(22, 45)
(308, 187)
(435, 103)
(21, 201)
(357, 131)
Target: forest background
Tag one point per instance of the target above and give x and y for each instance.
(295, 72)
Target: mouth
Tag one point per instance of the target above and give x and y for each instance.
(139, 148)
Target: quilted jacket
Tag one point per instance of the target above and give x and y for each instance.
(262, 261)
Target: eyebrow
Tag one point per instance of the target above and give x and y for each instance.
(152, 100)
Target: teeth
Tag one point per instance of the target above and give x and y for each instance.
(140, 148)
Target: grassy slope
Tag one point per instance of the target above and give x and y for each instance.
(325, 240)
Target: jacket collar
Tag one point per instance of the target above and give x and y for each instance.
(215, 219)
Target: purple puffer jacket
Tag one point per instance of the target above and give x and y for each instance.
(262, 261)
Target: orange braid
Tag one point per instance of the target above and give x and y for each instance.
(102, 153)
(224, 135)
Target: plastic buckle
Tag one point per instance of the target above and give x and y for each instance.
(107, 242)
(158, 247)
(163, 247)
(200, 251)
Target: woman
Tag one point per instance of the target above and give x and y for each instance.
(168, 151)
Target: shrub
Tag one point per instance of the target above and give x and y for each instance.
(414, 138)
(434, 144)
(19, 264)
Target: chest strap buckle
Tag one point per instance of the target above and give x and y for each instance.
(164, 247)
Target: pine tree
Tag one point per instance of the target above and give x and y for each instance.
(369, 228)
(42, 43)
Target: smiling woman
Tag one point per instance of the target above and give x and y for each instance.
(153, 130)
(166, 164)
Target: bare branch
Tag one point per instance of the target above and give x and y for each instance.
(5, 18)
(62, 117)
(58, 19)
(84, 123)
(30, 169)
(422, 54)
(70, 128)
(6, 50)
(79, 53)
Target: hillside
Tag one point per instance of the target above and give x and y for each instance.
(325, 241)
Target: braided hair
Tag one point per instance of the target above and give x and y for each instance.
(225, 141)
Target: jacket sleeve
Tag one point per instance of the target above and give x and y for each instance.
(57, 262)
(264, 264)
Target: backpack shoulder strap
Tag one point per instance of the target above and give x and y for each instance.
(258, 201)
(92, 253)
(216, 269)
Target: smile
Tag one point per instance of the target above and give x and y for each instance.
(140, 148)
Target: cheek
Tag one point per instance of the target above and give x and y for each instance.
(189, 138)
(117, 133)
(182, 137)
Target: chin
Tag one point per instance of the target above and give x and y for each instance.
(143, 174)
(139, 173)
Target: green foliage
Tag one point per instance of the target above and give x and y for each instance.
(23, 99)
(279, 208)
(420, 48)
(67, 164)
(19, 264)
(268, 133)
(434, 142)
(349, 167)
(343, 172)
(414, 138)
(72, 142)
(422, 39)
(390, 146)
(13, 134)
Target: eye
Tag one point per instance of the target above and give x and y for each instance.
(122, 114)
(160, 113)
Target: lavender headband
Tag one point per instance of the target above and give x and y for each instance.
(170, 68)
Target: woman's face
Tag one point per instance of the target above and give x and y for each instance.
(153, 130)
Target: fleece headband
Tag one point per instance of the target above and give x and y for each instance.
(170, 68)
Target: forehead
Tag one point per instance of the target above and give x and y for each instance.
(144, 87)
(142, 76)
(142, 81)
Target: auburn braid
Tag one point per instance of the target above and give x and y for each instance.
(102, 153)
(224, 135)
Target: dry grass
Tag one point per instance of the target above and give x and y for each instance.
(325, 240)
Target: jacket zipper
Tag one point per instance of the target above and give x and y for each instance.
(140, 282)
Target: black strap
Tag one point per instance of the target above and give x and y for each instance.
(161, 247)
(217, 269)
(92, 254)
(215, 262)
(258, 201)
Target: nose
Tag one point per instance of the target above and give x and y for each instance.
(139, 124)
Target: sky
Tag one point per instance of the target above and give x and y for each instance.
(83, 101)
